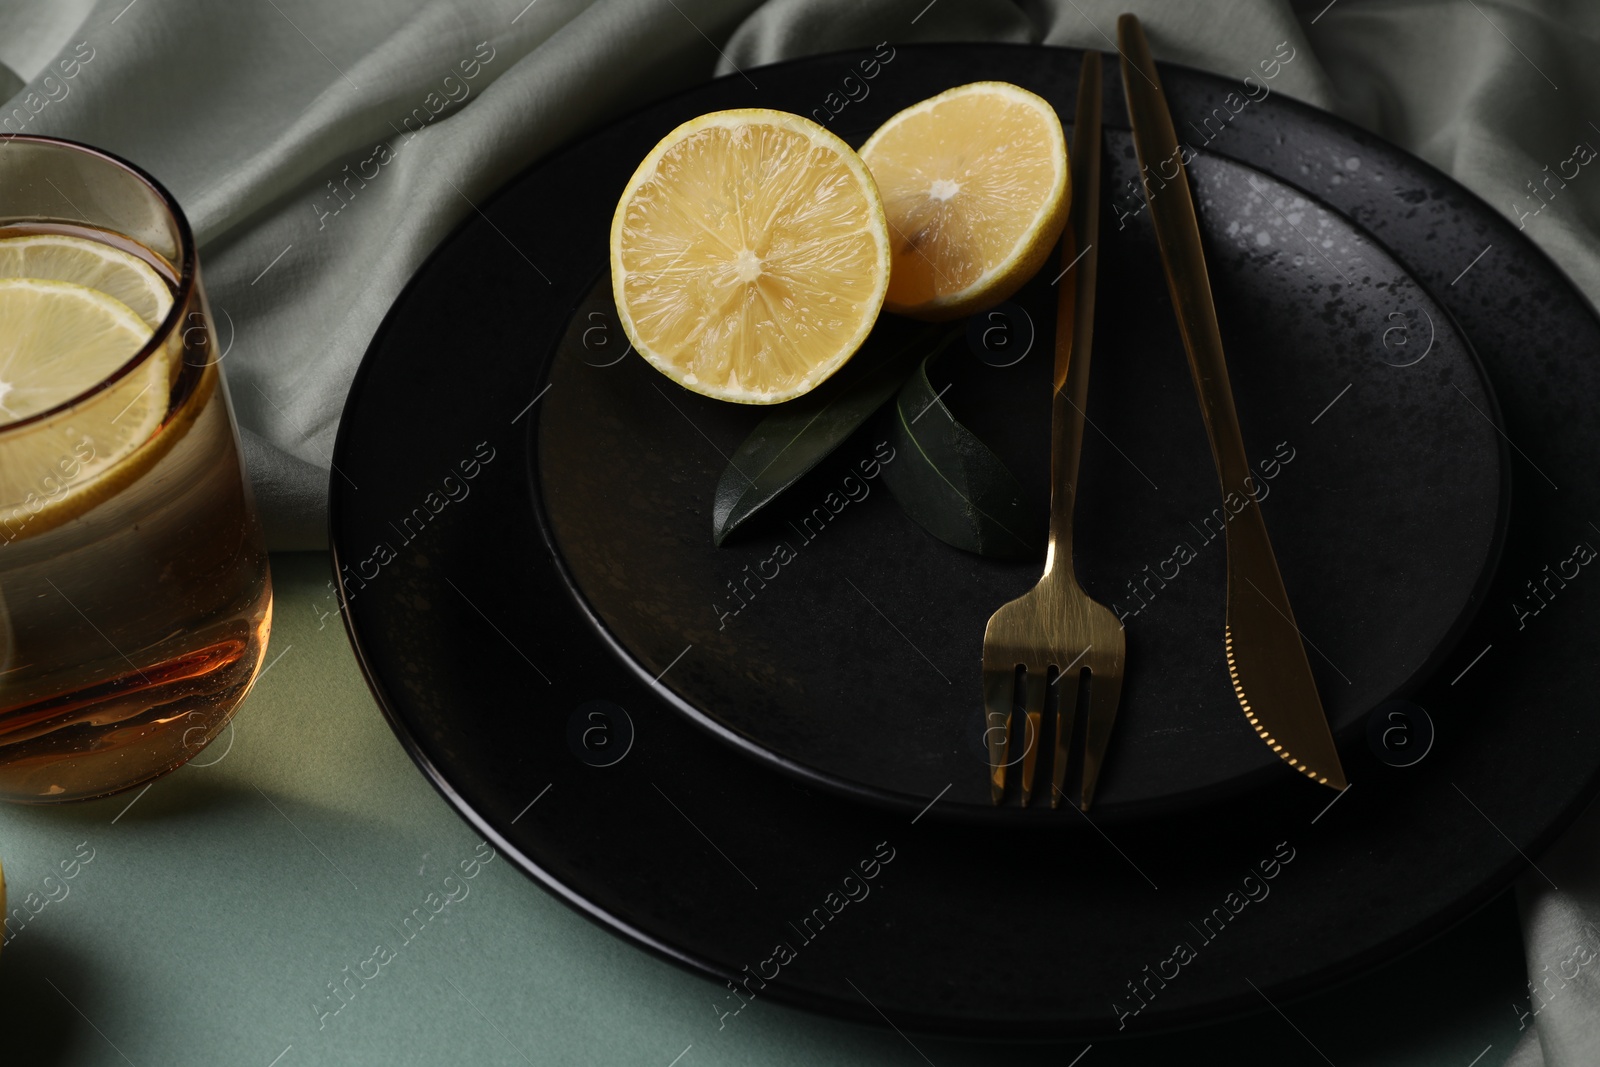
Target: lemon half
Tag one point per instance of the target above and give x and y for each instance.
(975, 185)
(749, 255)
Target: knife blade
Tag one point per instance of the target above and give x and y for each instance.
(1265, 650)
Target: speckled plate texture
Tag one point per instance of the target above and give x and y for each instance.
(711, 766)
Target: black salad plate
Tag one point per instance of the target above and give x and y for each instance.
(724, 771)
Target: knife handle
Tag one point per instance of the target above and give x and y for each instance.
(1178, 234)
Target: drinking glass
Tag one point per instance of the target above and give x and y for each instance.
(135, 595)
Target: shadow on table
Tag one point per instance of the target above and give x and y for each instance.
(41, 1026)
(185, 794)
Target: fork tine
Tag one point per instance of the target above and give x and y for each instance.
(997, 690)
(1105, 691)
(1066, 686)
(1033, 702)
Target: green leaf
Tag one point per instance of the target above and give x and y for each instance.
(951, 484)
(799, 434)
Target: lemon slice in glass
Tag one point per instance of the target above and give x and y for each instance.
(57, 340)
(975, 185)
(64, 258)
(749, 255)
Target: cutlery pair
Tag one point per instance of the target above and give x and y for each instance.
(1055, 644)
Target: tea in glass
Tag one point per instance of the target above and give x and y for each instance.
(135, 594)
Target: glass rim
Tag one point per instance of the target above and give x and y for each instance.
(185, 266)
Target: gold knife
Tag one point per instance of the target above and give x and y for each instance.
(1266, 657)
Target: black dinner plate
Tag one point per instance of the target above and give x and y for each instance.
(580, 763)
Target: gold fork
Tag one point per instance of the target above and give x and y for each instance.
(1054, 634)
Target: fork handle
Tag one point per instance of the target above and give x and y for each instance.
(1075, 316)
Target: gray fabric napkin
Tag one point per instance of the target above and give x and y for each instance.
(322, 150)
